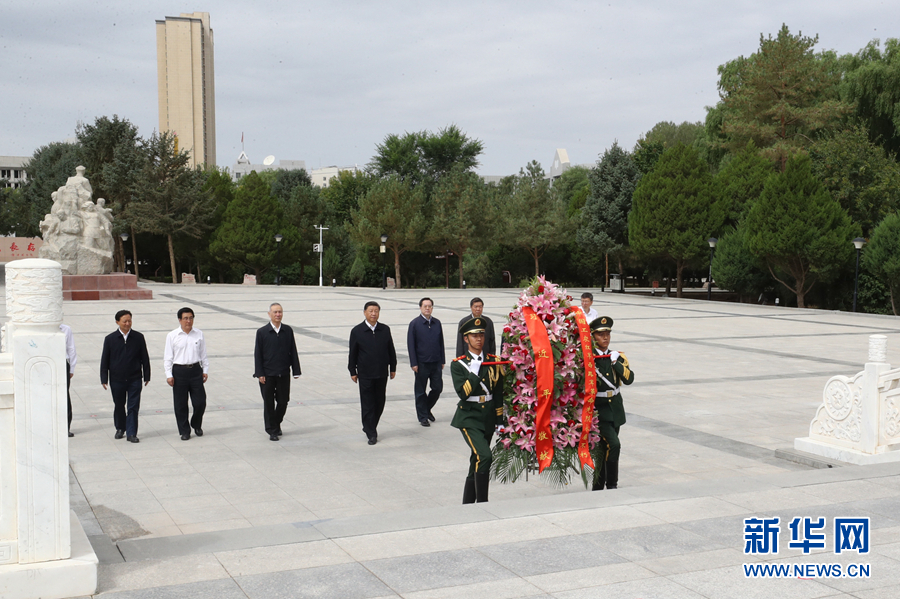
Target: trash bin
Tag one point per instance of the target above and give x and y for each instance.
(616, 283)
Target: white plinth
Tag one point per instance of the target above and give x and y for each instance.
(58, 579)
(843, 454)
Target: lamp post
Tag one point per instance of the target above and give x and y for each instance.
(321, 250)
(278, 238)
(712, 241)
(384, 239)
(859, 242)
(124, 238)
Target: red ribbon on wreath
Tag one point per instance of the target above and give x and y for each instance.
(590, 390)
(543, 369)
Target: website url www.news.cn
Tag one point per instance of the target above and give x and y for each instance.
(802, 571)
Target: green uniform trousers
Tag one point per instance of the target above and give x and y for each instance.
(610, 433)
(480, 443)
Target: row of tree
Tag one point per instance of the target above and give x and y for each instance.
(797, 159)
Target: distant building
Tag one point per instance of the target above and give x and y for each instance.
(186, 82)
(322, 176)
(12, 171)
(560, 164)
(243, 166)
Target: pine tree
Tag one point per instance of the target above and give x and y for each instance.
(799, 230)
(741, 181)
(604, 218)
(882, 256)
(674, 210)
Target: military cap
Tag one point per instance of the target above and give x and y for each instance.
(604, 323)
(473, 325)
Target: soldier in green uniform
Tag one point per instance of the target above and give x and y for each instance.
(480, 407)
(612, 371)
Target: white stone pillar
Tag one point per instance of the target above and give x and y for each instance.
(871, 399)
(38, 348)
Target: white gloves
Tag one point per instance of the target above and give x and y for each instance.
(613, 356)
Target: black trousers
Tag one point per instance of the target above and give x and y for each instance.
(188, 381)
(429, 372)
(371, 402)
(68, 396)
(127, 399)
(610, 434)
(276, 393)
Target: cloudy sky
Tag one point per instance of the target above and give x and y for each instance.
(324, 82)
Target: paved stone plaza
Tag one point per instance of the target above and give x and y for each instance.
(721, 391)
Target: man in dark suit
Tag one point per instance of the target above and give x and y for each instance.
(275, 356)
(425, 345)
(372, 357)
(490, 339)
(123, 362)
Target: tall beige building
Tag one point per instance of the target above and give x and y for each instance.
(187, 91)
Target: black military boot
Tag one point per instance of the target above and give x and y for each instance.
(599, 478)
(469, 490)
(612, 474)
(482, 479)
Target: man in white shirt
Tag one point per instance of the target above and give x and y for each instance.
(587, 299)
(71, 360)
(186, 367)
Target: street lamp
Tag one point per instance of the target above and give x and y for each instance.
(712, 241)
(384, 239)
(124, 238)
(278, 238)
(859, 242)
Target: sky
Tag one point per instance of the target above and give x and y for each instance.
(325, 82)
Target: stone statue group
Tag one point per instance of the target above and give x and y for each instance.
(78, 233)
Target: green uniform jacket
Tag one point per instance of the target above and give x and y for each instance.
(611, 409)
(472, 414)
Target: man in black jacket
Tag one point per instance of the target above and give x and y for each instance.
(123, 362)
(425, 345)
(490, 338)
(372, 357)
(275, 357)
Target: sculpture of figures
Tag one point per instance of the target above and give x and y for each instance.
(78, 233)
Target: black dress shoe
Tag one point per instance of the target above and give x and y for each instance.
(373, 440)
(185, 436)
(424, 423)
(199, 432)
(431, 416)
(120, 434)
(71, 434)
(133, 439)
(273, 437)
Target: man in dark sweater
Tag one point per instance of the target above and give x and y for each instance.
(275, 356)
(490, 338)
(425, 344)
(123, 362)
(372, 357)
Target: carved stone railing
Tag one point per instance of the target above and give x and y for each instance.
(859, 419)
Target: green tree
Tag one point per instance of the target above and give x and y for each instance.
(604, 219)
(573, 187)
(220, 188)
(99, 142)
(781, 96)
(741, 181)
(344, 192)
(251, 221)
(533, 217)
(674, 210)
(286, 181)
(393, 208)
(858, 174)
(882, 258)
(460, 217)
(798, 229)
(423, 157)
(169, 199)
(305, 210)
(47, 171)
(734, 267)
(872, 82)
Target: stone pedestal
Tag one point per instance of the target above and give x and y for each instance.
(116, 285)
(859, 419)
(36, 526)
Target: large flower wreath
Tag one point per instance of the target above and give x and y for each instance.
(551, 427)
